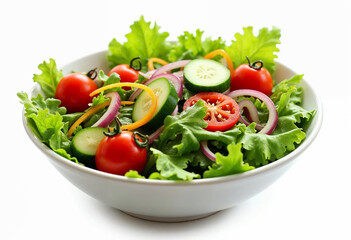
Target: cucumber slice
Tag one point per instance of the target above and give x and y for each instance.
(205, 75)
(85, 143)
(167, 99)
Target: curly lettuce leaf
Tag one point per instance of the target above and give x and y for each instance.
(133, 174)
(97, 100)
(261, 149)
(189, 126)
(143, 40)
(114, 78)
(49, 78)
(261, 47)
(45, 118)
(190, 46)
(33, 105)
(287, 96)
(173, 167)
(227, 165)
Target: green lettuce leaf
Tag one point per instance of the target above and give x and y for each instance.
(189, 127)
(33, 105)
(261, 47)
(173, 167)
(114, 78)
(228, 165)
(45, 120)
(287, 96)
(97, 100)
(142, 41)
(49, 78)
(133, 174)
(190, 46)
(261, 149)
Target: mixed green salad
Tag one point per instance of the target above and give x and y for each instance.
(172, 110)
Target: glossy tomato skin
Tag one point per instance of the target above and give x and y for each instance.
(126, 73)
(246, 77)
(119, 154)
(222, 111)
(73, 90)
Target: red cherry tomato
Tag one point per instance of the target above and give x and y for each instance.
(73, 90)
(126, 72)
(252, 76)
(222, 111)
(120, 153)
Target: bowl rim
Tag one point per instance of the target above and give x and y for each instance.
(257, 171)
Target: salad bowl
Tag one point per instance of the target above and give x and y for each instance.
(172, 201)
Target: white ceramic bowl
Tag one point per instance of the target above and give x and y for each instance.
(169, 200)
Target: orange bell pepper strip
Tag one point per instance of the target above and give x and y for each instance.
(225, 55)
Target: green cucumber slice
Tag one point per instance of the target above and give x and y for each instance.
(85, 143)
(167, 99)
(205, 75)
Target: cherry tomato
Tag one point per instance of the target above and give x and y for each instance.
(120, 153)
(222, 111)
(73, 90)
(126, 72)
(252, 76)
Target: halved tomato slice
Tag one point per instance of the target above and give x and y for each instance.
(222, 111)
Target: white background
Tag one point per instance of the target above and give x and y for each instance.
(312, 201)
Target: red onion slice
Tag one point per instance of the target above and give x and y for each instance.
(170, 66)
(251, 113)
(145, 75)
(273, 114)
(172, 78)
(111, 112)
(158, 132)
(155, 134)
(179, 74)
(206, 151)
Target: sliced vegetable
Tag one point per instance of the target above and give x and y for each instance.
(87, 114)
(222, 111)
(273, 114)
(111, 111)
(206, 151)
(85, 143)
(150, 63)
(127, 102)
(167, 100)
(172, 78)
(204, 75)
(148, 74)
(148, 115)
(157, 133)
(170, 66)
(251, 113)
(225, 55)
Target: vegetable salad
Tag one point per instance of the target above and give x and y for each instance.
(182, 110)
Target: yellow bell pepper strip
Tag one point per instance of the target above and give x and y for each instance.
(150, 63)
(85, 116)
(127, 102)
(132, 126)
(148, 116)
(225, 55)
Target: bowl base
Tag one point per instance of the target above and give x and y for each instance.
(169, 219)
